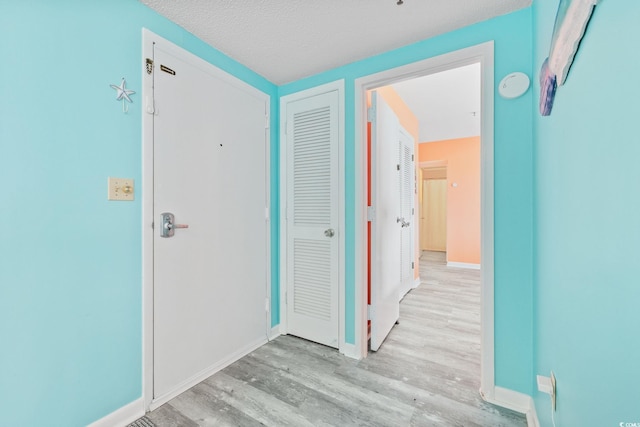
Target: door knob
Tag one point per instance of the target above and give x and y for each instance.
(168, 225)
(329, 232)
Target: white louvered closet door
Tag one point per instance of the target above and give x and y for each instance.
(312, 218)
(406, 189)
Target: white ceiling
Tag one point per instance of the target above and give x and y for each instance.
(447, 104)
(285, 40)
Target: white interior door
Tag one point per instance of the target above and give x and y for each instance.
(210, 279)
(385, 231)
(312, 218)
(407, 186)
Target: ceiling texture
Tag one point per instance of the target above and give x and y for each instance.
(286, 40)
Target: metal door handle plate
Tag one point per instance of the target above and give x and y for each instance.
(330, 232)
(169, 226)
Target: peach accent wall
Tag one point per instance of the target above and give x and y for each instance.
(463, 202)
(410, 123)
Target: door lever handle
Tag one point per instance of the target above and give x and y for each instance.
(169, 226)
(404, 223)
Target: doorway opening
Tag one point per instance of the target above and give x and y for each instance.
(482, 56)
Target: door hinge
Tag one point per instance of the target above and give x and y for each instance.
(266, 213)
(285, 127)
(267, 125)
(368, 312)
(398, 167)
(413, 265)
(371, 213)
(370, 114)
(413, 211)
(149, 65)
(152, 225)
(266, 305)
(412, 158)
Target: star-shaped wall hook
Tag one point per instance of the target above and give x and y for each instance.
(123, 94)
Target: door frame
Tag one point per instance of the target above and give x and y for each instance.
(338, 86)
(149, 38)
(484, 54)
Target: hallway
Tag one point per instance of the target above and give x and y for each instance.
(425, 374)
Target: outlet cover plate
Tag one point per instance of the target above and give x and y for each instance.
(544, 384)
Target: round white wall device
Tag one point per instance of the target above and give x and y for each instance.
(513, 85)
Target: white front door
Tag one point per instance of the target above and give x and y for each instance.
(386, 243)
(407, 188)
(210, 279)
(312, 217)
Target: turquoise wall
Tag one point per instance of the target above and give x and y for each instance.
(70, 262)
(587, 227)
(513, 181)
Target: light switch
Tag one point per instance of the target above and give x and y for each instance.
(120, 189)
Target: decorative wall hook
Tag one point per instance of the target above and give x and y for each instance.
(122, 93)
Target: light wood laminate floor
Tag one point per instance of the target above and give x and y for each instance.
(425, 374)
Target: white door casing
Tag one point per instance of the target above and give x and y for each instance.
(312, 216)
(386, 243)
(205, 306)
(483, 54)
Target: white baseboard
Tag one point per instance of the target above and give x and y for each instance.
(203, 375)
(532, 416)
(351, 351)
(123, 416)
(515, 401)
(417, 282)
(274, 333)
(463, 265)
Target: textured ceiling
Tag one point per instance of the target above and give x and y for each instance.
(285, 40)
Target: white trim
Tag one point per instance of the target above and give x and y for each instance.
(532, 416)
(417, 282)
(483, 54)
(267, 222)
(148, 40)
(463, 265)
(206, 373)
(123, 416)
(274, 333)
(433, 163)
(350, 350)
(338, 86)
(147, 223)
(515, 401)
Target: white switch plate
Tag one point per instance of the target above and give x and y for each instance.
(120, 189)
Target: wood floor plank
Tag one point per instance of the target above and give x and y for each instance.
(426, 373)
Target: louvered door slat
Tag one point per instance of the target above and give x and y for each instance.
(406, 202)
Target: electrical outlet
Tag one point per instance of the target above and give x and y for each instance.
(120, 189)
(553, 391)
